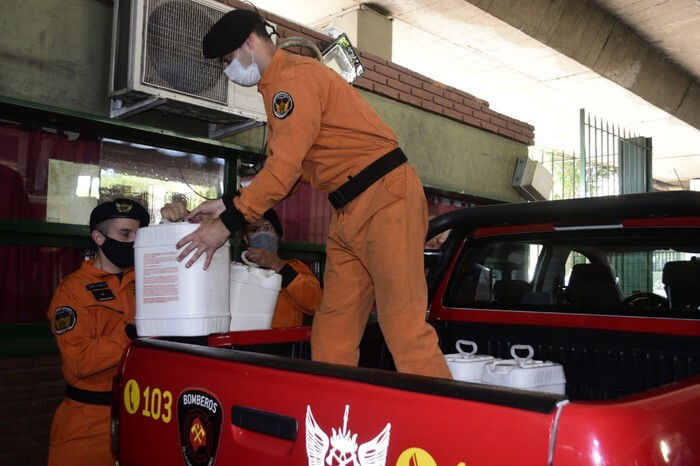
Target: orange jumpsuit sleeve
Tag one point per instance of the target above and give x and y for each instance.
(83, 352)
(302, 286)
(291, 135)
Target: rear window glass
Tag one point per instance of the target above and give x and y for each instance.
(597, 273)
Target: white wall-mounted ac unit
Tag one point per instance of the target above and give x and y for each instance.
(531, 180)
(157, 61)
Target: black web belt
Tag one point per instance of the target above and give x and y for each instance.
(366, 178)
(88, 397)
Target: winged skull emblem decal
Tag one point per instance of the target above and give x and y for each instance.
(342, 448)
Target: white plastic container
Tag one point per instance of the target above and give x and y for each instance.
(172, 300)
(525, 373)
(254, 292)
(467, 366)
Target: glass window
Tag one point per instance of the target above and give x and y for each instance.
(591, 273)
(60, 176)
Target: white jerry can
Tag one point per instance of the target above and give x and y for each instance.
(172, 300)
(467, 366)
(526, 373)
(253, 297)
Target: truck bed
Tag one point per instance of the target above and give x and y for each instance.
(277, 404)
(599, 365)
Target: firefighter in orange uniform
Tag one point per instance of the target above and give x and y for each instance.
(301, 292)
(323, 132)
(89, 314)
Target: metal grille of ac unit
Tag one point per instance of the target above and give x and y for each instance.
(173, 50)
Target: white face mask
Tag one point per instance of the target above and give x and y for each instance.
(245, 76)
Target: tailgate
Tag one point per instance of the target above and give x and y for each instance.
(183, 404)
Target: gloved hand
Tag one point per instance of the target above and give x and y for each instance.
(174, 211)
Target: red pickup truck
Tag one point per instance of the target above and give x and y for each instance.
(607, 287)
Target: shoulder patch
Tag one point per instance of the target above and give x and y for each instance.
(282, 105)
(65, 319)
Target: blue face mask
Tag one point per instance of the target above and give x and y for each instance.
(263, 240)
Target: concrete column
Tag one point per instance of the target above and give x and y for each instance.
(368, 30)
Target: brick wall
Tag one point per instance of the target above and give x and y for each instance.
(396, 82)
(31, 389)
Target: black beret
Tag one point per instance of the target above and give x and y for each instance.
(119, 208)
(271, 216)
(229, 33)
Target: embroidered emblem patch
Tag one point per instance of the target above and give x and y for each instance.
(282, 105)
(65, 319)
(123, 206)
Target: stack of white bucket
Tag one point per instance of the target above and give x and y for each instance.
(522, 373)
(172, 300)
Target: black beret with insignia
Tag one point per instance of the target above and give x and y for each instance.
(229, 33)
(119, 208)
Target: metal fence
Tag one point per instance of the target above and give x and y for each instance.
(611, 160)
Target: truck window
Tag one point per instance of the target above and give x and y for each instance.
(590, 273)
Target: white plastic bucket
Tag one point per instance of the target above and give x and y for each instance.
(526, 373)
(467, 366)
(172, 300)
(253, 296)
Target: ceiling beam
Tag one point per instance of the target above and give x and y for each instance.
(585, 32)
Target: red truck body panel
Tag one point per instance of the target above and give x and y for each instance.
(661, 427)
(451, 430)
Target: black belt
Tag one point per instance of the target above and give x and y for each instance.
(88, 397)
(366, 178)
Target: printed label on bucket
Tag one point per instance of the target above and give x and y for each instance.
(160, 277)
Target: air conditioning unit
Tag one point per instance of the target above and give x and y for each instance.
(531, 180)
(157, 61)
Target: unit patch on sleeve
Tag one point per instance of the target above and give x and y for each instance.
(282, 105)
(199, 418)
(65, 319)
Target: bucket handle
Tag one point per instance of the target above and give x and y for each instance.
(246, 261)
(521, 361)
(463, 353)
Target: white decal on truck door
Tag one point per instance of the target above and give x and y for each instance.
(343, 447)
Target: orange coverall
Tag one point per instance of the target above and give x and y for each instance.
(322, 131)
(88, 314)
(302, 295)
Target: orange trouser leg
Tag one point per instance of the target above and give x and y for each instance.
(340, 322)
(80, 436)
(385, 230)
